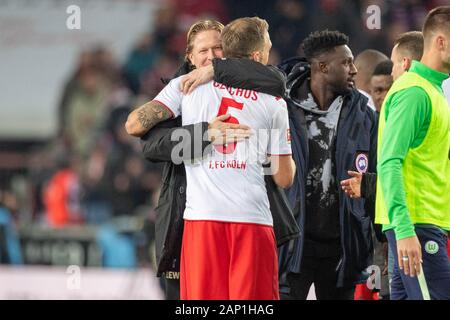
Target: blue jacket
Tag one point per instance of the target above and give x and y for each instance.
(356, 133)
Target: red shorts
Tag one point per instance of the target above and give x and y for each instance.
(362, 292)
(224, 260)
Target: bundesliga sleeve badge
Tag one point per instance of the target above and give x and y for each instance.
(362, 163)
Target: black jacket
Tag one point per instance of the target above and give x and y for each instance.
(157, 146)
(356, 133)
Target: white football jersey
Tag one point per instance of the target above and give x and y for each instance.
(228, 185)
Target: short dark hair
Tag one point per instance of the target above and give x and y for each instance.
(410, 44)
(437, 19)
(384, 68)
(320, 42)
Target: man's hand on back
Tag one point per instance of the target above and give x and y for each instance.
(220, 132)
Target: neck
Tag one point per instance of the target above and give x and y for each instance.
(322, 94)
(433, 61)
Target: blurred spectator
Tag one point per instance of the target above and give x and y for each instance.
(151, 83)
(118, 249)
(289, 26)
(96, 189)
(380, 83)
(191, 11)
(249, 8)
(339, 15)
(85, 60)
(62, 196)
(366, 62)
(10, 252)
(141, 58)
(107, 66)
(86, 111)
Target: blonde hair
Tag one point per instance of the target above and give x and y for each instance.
(243, 36)
(195, 29)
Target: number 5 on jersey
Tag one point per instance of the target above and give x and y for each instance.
(223, 109)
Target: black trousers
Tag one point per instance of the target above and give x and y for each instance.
(172, 289)
(322, 272)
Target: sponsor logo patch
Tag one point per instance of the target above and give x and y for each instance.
(362, 163)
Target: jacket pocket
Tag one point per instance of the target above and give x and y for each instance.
(360, 242)
(357, 209)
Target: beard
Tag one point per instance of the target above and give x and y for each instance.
(342, 89)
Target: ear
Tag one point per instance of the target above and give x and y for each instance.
(441, 42)
(256, 56)
(323, 67)
(406, 63)
(191, 57)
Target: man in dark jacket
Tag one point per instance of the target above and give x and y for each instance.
(335, 246)
(157, 146)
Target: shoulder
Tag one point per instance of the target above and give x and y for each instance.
(273, 101)
(411, 93)
(176, 81)
(360, 103)
(412, 99)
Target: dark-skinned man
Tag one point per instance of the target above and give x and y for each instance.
(335, 246)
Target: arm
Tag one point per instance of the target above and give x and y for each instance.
(407, 116)
(369, 183)
(249, 74)
(283, 170)
(364, 184)
(239, 73)
(360, 185)
(146, 117)
(167, 104)
(407, 113)
(159, 145)
(279, 148)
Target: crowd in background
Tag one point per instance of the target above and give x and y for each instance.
(92, 171)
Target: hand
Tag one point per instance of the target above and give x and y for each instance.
(196, 77)
(409, 253)
(220, 132)
(352, 186)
